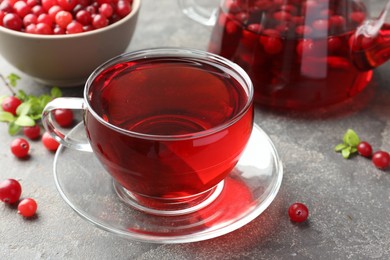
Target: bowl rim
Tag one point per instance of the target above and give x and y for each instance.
(135, 8)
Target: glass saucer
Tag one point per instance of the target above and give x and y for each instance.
(247, 192)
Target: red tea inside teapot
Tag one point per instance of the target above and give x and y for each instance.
(300, 54)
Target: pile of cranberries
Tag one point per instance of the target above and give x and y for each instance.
(20, 147)
(61, 16)
(380, 159)
(10, 192)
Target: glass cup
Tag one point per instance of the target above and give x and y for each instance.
(167, 124)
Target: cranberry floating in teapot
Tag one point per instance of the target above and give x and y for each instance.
(300, 54)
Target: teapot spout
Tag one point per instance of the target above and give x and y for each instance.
(370, 45)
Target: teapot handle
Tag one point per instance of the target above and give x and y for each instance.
(206, 15)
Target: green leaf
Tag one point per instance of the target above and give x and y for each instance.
(351, 138)
(13, 128)
(24, 120)
(55, 92)
(44, 100)
(6, 117)
(346, 152)
(22, 95)
(340, 147)
(13, 78)
(23, 109)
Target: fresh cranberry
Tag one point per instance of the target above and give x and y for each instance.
(47, 4)
(74, 27)
(298, 212)
(381, 160)
(99, 21)
(32, 132)
(45, 18)
(123, 8)
(20, 147)
(6, 6)
(31, 28)
(364, 149)
(84, 17)
(43, 28)
(63, 18)
(27, 207)
(106, 10)
(10, 191)
(58, 30)
(22, 9)
(63, 117)
(32, 3)
(53, 11)
(37, 10)
(49, 142)
(12, 21)
(67, 5)
(30, 19)
(10, 104)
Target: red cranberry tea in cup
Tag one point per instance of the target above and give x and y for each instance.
(177, 126)
(297, 52)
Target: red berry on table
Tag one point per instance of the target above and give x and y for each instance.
(20, 147)
(32, 132)
(63, 117)
(49, 142)
(364, 149)
(381, 160)
(10, 191)
(298, 212)
(10, 104)
(27, 207)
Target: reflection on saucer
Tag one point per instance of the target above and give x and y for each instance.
(248, 191)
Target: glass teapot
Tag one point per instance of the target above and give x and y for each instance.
(300, 54)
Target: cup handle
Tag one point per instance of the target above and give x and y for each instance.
(198, 13)
(48, 122)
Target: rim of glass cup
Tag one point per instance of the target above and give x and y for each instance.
(220, 62)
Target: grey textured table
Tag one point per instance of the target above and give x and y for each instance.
(348, 199)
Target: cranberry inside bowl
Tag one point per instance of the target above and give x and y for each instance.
(65, 58)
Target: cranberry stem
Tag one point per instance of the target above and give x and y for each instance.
(7, 85)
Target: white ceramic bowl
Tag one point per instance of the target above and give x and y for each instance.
(67, 60)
